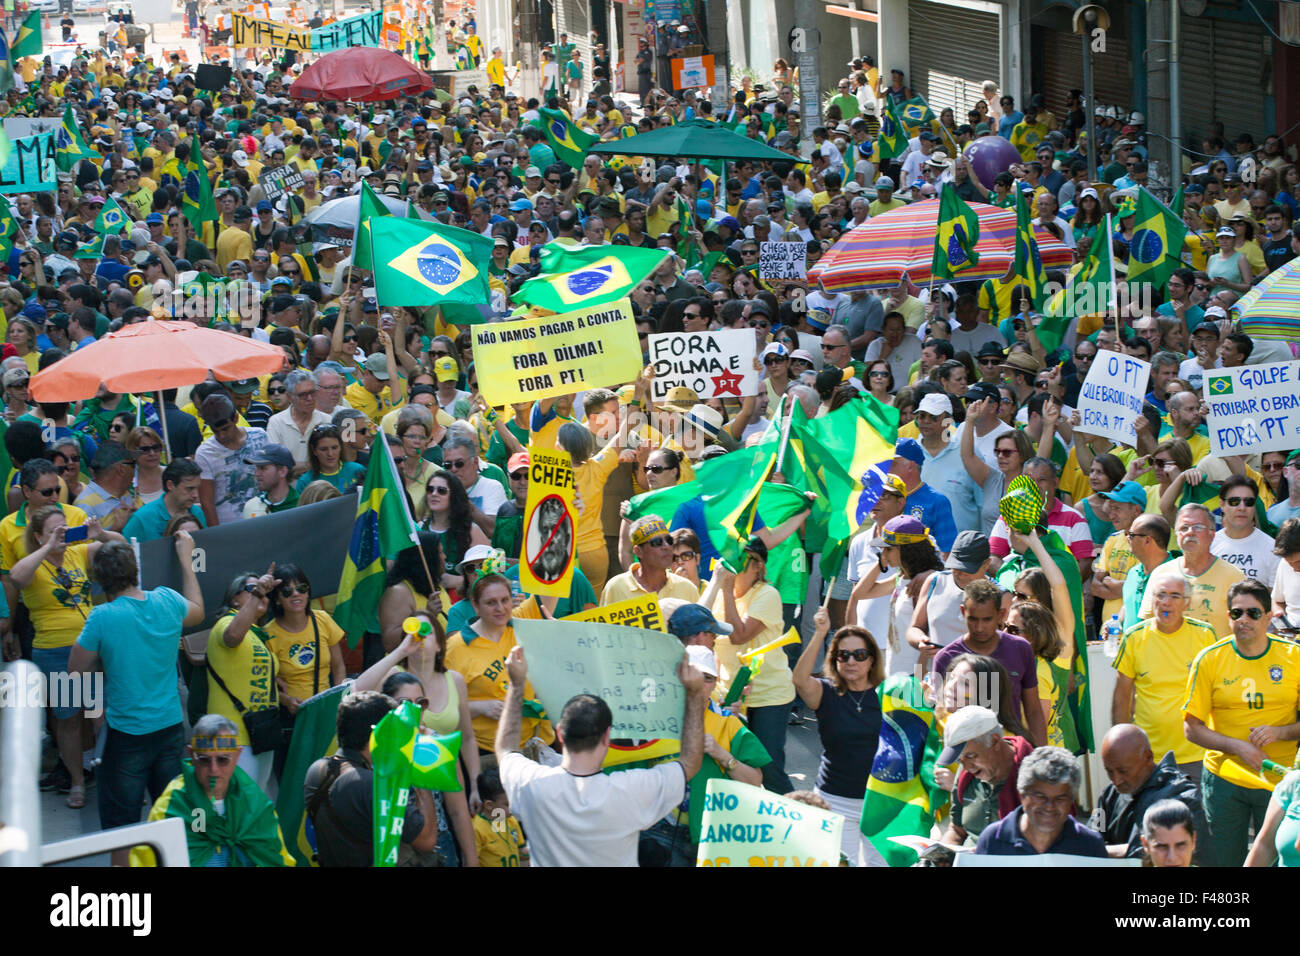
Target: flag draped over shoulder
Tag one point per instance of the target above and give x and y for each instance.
(902, 796)
(248, 826)
(575, 277)
(427, 263)
(197, 203)
(382, 529)
(315, 735)
(841, 457)
(569, 142)
(361, 239)
(1156, 248)
(959, 230)
(69, 147)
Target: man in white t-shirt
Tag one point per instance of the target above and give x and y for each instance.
(1286, 584)
(1239, 542)
(574, 814)
(1205, 346)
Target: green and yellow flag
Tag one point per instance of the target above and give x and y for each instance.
(575, 277)
(27, 42)
(1029, 264)
(959, 230)
(197, 203)
(69, 147)
(427, 263)
(361, 240)
(1088, 289)
(915, 114)
(1157, 244)
(383, 528)
(112, 218)
(892, 141)
(569, 142)
(315, 735)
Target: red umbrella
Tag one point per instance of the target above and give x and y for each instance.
(149, 356)
(360, 73)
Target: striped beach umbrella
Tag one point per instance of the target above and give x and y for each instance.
(1271, 309)
(877, 254)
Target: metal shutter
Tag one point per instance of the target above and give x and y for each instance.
(953, 51)
(1227, 72)
(1063, 71)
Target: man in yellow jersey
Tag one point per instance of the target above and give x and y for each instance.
(1209, 577)
(653, 547)
(1152, 667)
(1242, 697)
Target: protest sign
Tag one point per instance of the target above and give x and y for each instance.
(749, 826)
(635, 612)
(711, 364)
(17, 127)
(458, 82)
(249, 32)
(1254, 408)
(631, 669)
(30, 168)
(1112, 397)
(549, 538)
(362, 30)
(782, 260)
(524, 360)
(283, 179)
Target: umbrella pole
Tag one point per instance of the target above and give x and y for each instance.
(162, 413)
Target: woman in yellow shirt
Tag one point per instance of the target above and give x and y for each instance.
(55, 584)
(303, 642)
(591, 469)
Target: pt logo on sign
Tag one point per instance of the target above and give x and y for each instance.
(548, 540)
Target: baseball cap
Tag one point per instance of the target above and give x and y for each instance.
(1128, 492)
(445, 369)
(884, 182)
(964, 726)
(701, 657)
(982, 390)
(15, 376)
(935, 403)
(519, 205)
(271, 455)
(265, 206)
(969, 552)
(34, 311)
(900, 530)
(1214, 311)
(377, 365)
(647, 529)
(532, 171)
(518, 460)
(910, 449)
(154, 218)
(692, 619)
(242, 386)
(893, 485)
(774, 348)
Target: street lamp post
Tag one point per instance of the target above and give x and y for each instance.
(1091, 23)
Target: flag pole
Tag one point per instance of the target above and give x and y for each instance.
(1114, 292)
(406, 508)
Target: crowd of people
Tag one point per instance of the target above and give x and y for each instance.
(1195, 558)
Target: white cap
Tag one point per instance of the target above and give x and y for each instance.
(964, 726)
(240, 157)
(1216, 312)
(935, 403)
(478, 552)
(774, 348)
(701, 657)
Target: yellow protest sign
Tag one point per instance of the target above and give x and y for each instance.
(550, 519)
(255, 32)
(636, 612)
(524, 360)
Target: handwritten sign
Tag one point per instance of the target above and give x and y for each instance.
(750, 826)
(782, 260)
(711, 364)
(523, 360)
(283, 179)
(1112, 397)
(361, 30)
(550, 519)
(1253, 409)
(632, 669)
(636, 612)
(30, 168)
(249, 32)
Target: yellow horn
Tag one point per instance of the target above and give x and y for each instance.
(791, 637)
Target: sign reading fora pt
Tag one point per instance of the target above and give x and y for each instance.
(1254, 408)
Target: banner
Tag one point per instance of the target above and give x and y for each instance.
(550, 524)
(782, 260)
(710, 364)
(361, 30)
(692, 72)
(636, 612)
(31, 167)
(1112, 397)
(1254, 408)
(523, 360)
(283, 179)
(255, 32)
(750, 826)
(632, 669)
(458, 82)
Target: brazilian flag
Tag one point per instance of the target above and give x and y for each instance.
(361, 242)
(69, 147)
(428, 263)
(915, 114)
(111, 219)
(1087, 291)
(6, 66)
(892, 141)
(1029, 264)
(315, 735)
(8, 227)
(959, 230)
(1158, 234)
(197, 203)
(568, 141)
(383, 529)
(902, 797)
(574, 277)
(28, 40)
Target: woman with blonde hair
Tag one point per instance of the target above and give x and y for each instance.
(148, 447)
(316, 491)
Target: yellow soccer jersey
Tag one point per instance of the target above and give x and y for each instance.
(1232, 694)
(1209, 593)
(1158, 665)
(498, 842)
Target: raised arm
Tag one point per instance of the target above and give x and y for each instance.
(809, 688)
(976, 466)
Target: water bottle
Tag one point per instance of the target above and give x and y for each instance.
(1110, 636)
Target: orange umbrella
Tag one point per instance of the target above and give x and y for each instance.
(149, 356)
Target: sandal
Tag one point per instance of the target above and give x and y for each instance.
(77, 797)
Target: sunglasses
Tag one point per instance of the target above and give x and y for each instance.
(46, 492)
(983, 361)
(1254, 613)
(1004, 452)
(519, 475)
(1011, 628)
(277, 390)
(659, 469)
(147, 449)
(657, 543)
(860, 655)
(1236, 502)
(219, 760)
(290, 272)
(437, 490)
(289, 590)
(684, 556)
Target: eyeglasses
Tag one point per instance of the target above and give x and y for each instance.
(1236, 502)
(277, 390)
(148, 449)
(219, 760)
(289, 590)
(684, 556)
(660, 542)
(456, 465)
(1254, 613)
(1136, 534)
(858, 654)
(437, 490)
(1202, 285)
(1005, 452)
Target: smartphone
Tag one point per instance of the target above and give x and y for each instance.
(80, 533)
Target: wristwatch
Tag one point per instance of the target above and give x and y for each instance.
(252, 589)
(731, 764)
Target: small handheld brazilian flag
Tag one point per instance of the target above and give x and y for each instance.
(954, 242)
(569, 142)
(111, 219)
(1028, 264)
(427, 263)
(575, 277)
(69, 147)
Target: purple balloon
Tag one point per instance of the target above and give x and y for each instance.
(990, 155)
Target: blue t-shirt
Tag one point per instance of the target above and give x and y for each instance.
(690, 514)
(137, 641)
(1008, 123)
(1281, 511)
(935, 512)
(150, 521)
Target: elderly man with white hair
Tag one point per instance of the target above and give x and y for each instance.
(292, 427)
(1048, 785)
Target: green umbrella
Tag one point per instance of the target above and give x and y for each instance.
(693, 139)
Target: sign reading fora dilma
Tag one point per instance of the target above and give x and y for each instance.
(31, 167)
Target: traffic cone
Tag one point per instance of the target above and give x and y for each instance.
(45, 21)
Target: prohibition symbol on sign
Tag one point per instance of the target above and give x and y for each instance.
(549, 540)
